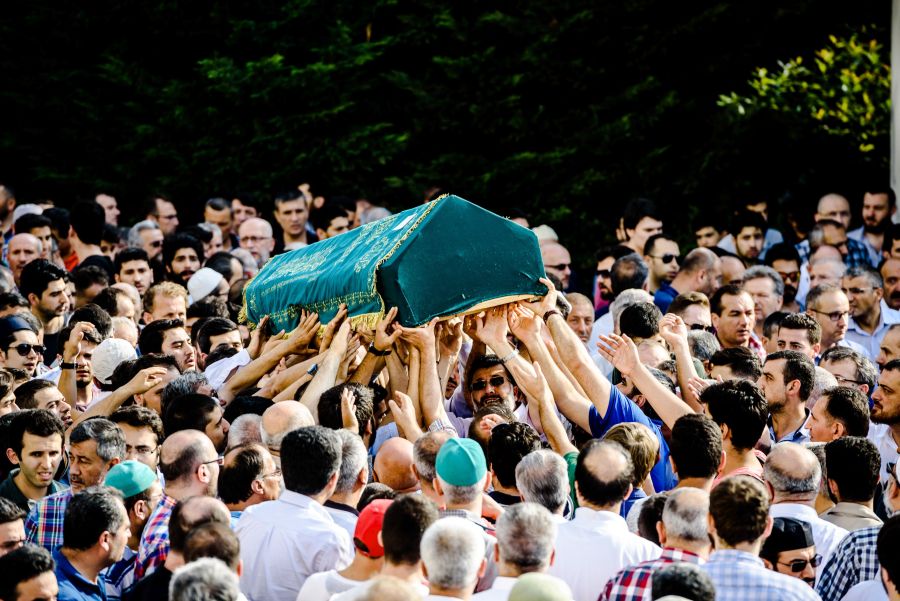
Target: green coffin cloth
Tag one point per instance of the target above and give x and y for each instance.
(436, 260)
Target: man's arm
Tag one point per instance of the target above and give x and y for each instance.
(431, 398)
(535, 387)
(71, 354)
(328, 370)
(143, 381)
(674, 332)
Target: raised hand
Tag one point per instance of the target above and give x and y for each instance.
(72, 346)
(304, 333)
(341, 340)
(385, 335)
(449, 334)
(492, 327)
(146, 379)
(420, 338)
(348, 410)
(405, 416)
(546, 302)
(673, 329)
(621, 352)
(333, 326)
(258, 338)
(524, 323)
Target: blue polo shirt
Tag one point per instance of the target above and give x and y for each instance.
(664, 296)
(73, 586)
(622, 409)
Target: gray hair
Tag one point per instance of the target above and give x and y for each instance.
(866, 372)
(801, 480)
(864, 271)
(526, 533)
(542, 477)
(822, 382)
(812, 297)
(212, 228)
(425, 452)
(703, 344)
(354, 459)
(109, 438)
(373, 214)
(461, 495)
(762, 271)
(818, 449)
(244, 429)
(134, 234)
(626, 298)
(452, 551)
(187, 383)
(205, 579)
(685, 515)
(246, 258)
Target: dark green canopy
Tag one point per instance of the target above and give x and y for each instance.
(439, 259)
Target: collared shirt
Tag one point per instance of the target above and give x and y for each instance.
(859, 234)
(851, 516)
(634, 583)
(343, 515)
(871, 590)
(498, 592)
(883, 438)
(664, 296)
(593, 547)
(800, 435)
(622, 409)
(44, 524)
(872, 342)
(741, 576)
(10, 491)
(73, 586)
(854, 560)
(826, 536)
(154, 545)
(284, 541)
(120, 575)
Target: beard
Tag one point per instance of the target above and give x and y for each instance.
(790, 293)
(878, 228)
(885, 416)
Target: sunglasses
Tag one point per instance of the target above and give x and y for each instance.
(603, 273)
(667, 258)
(495, 381)
(560, 267)
(700, 326)
(156, 244)
(798, 565)
(24, 349)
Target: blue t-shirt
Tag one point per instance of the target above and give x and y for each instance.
(664, 296)
(622, 409)
(73, 586)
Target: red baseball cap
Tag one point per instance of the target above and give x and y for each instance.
(365, 537)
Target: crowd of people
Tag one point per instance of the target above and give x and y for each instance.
(722, 424)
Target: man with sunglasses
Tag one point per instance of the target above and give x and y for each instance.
(701, 271)
(790, 550)
(662, 256)
(557, 261)
(490, 382)
(20, 348)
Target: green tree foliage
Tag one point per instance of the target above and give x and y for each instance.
(564, 109)
(844, 90)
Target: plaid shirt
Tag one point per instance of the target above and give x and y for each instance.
(854, 560)
(634, 584)
(155, 540)
(741, 576)
(857, 253)
(44, 524)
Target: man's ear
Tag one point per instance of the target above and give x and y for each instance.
(11, 455)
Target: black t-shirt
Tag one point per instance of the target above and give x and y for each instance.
(154, 587)
(51, 348)
(101, 261)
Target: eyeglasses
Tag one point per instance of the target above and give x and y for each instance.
(25, 349)
(834, 316)
(856, 291)
(667, 258)
(219, 460)
(842, 380)
(798, 565)
(495, 381)
(700, 326)
(142, 450)
(560, 267)
(254, 239)
(275, 474)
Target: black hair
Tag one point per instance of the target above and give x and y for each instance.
(739, 507)
(650, 514)
(628, 272)
(37, 422)
(130, 254)
(651, 242)
(21, 565)
(37, 275)
(212, 540)
(87, 219)
(59, 220)
(405, 521)
(172, 244)
(153, 334)
(744, 219)
(508, 444)
(93, 314)
(886, 546)
(211, 306)
(26, 392)
(715, 301)
(773, 322)
(30, 221)
(287, 196)
(11, 299)
(683, 580)
(373, 491)
(310, 457)
(200, 233)
(111, 234)
(330, 406)
(108, 300)
(696, 446)
(9, 511)
(189, 412)
(600, 492)
(743, 362)
(89, 514)
(244, 465)
(223, 352)
(640, 320)
(323, 217)
(215, 326)
(741, 406)
(849, 406)
(866, 373)
(782, 251)
(803, 321)
(221, 262)
(140, 417)
(484, 362)
(797, 366)
(180, 527)
(636, 210)
(243, 405)
(854, 463)
(88, 275)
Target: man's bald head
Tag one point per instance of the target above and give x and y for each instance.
(182, 453)
(834, 207)
(256, 224)
(603, 474)
(394, 465)
(793, 472)
(557, 261)
(22, 250)
(281, 418)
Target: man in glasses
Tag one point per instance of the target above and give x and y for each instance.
(20, 348)
(790, 550)
(870, 315)
(701, 271)
(257, 237)
(490, 382)
(765, 287)
(162, 211)
(785, 260)
(851, 368)
(248, 477)
(132, 266)
(143, 431)
(662, 257)
(12, 528)
(44, 285)
(557, 261)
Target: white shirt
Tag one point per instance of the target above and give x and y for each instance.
(344, 519)
(825, 534)
(881, 437)
(321, 586)
(283, 542)
(362, 588)
(499, 591)
(870, 590)
(218, 373)
(593, 547)
(872, 342)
